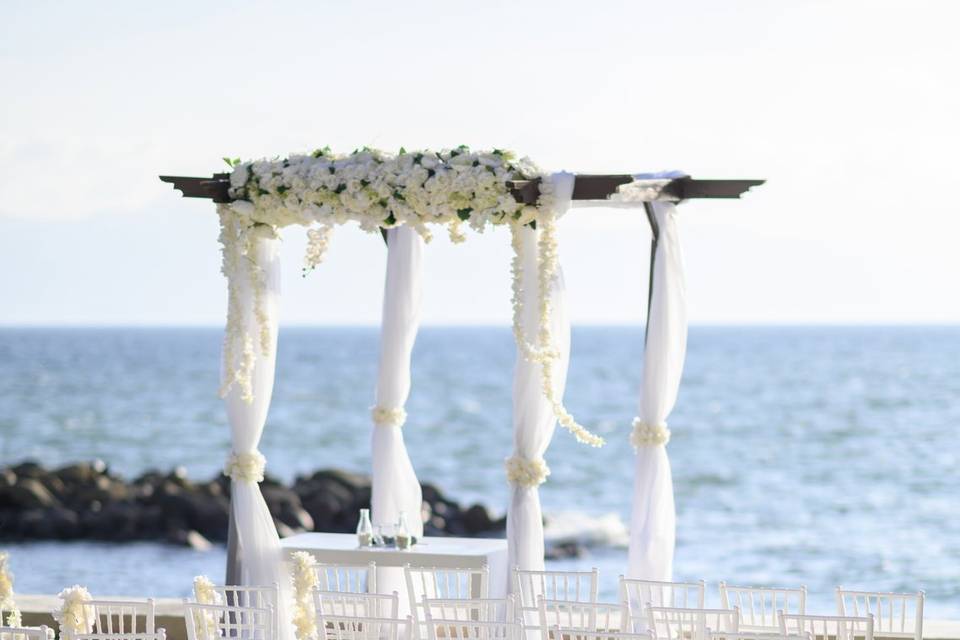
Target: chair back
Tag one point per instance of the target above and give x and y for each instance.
(347, 578)
(572, 586)
(591, 616)
(472, 630)
(256, 596)
(636, 593)
(676, 623)
(895, 615)
(26, 633)
(827, 627)
(362, 605)
(754, 635)
(159, 634)
(362, 628)
(215, 621)
(480, 609)
(588, 634)
(122, 617)
(441, 583)
(759, 605)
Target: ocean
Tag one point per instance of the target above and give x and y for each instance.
(801, 455)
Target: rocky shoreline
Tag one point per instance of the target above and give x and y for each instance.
(85, 501)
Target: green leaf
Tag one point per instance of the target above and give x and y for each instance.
(282, 189)
(228, 161)
(402, 151)
(390, 220)
(464, 214)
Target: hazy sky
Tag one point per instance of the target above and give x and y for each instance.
(849, 109)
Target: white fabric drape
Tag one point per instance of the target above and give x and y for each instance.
(395, 484)
(395, 487)
(257, 541)
(653, 520)
(533, 416)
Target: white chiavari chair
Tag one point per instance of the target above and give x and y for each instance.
(346, 577)
(895, 615)
(42, 632)
(530, 586)
(759, 605)
(637, 593)
(363, 628)
(441, 583)
(588, 634)
(827, 627)
(358, 605)
(590, 616)
(678, 623)
(214, 622)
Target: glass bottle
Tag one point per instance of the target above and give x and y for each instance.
(364, 529)
(404, 539)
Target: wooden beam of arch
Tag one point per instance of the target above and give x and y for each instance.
(586, 187)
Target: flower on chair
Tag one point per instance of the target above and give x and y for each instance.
(74, 616)
(304, 581)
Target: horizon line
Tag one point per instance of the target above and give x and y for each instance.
(500, 325)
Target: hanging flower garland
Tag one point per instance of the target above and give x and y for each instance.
(207, 624)
(304, 578)
(74, 616)
(378, 190)
(6, 594)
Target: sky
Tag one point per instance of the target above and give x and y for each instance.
(848, 109)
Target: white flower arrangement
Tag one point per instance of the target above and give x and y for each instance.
(304, 578)
(6, 593)
(208, 624)
(526, 473)
(245, 467)
(380, 190)
(74, 616)
(648, 435)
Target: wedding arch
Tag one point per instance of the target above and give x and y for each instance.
(406, 196)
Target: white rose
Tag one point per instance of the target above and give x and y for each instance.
(239, 176)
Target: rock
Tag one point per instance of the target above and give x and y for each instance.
(563, 549)
(476, 520)
(285, 507)
(29, 469)
(80, 473)
(65, 523)
(188, 538)
(27, 493)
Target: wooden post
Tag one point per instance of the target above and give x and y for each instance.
(234, 568)
(655, 232)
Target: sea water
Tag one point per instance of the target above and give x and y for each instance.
(816, 456)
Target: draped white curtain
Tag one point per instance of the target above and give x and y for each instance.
(533, 416)
(395, 485)
(653, 519)
(258, 544)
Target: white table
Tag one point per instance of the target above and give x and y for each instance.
(465, 553)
